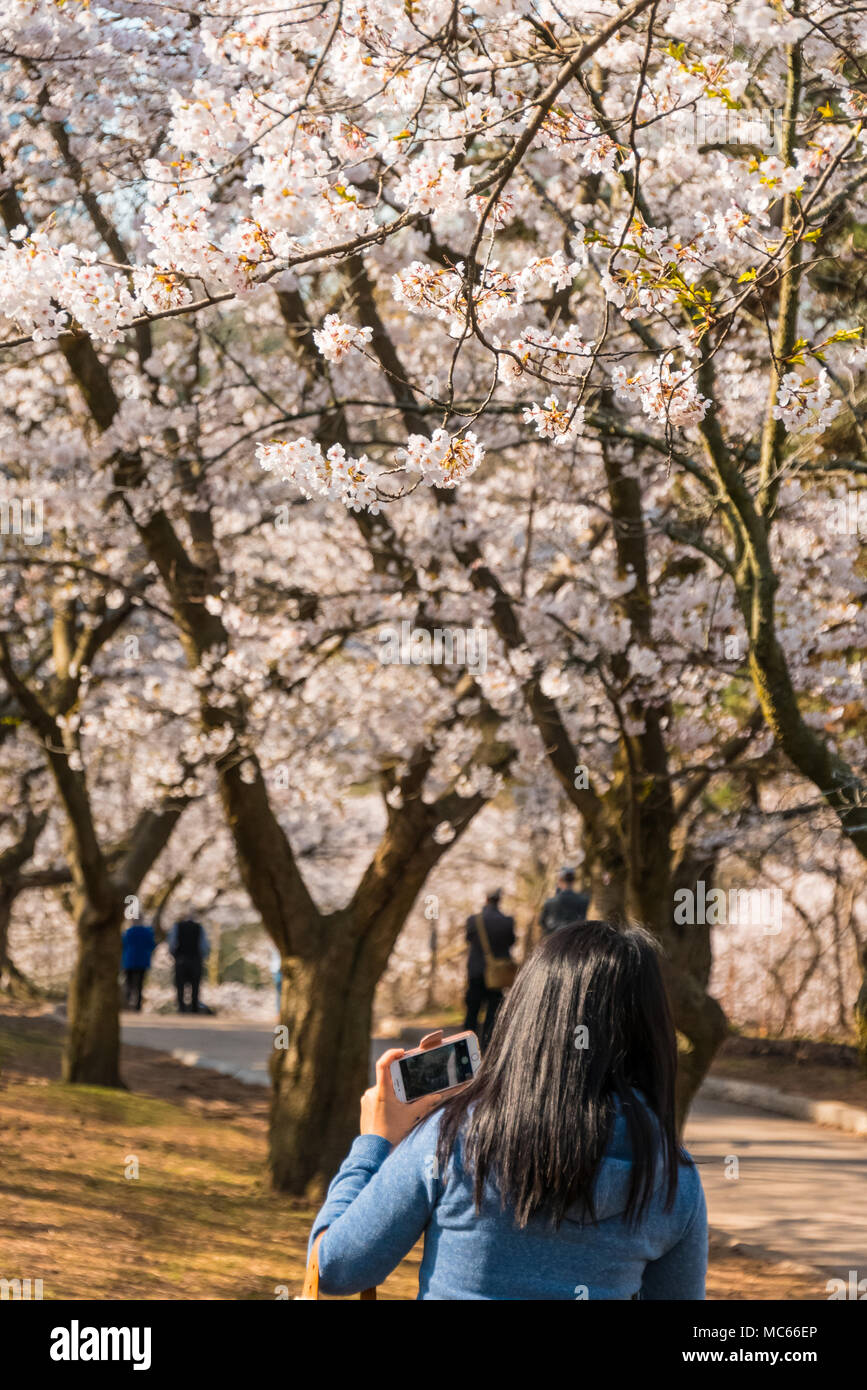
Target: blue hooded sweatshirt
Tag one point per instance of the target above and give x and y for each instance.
(384, 1198)
(139, 944)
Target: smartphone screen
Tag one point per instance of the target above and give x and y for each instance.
(436, 1069)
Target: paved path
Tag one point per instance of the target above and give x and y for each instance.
(232, 1045)
(801, 1190)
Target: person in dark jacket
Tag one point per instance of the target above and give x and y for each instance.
(189, 948)
(138, 944)
(500, 931)
(567, 908)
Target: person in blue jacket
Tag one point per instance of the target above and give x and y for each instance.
(139, 944)
(556, 1173)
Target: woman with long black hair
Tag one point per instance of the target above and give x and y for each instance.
(556, 1172)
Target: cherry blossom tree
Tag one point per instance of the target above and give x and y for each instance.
(535, 292)
(47, 686)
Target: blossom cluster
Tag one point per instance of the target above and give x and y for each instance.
(553, 421)
(805, 402)
(666, 393)
(442, 460)
(46, 289)
(335, 338)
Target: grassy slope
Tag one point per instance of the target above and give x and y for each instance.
(198, 1222)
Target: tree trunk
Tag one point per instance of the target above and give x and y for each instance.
(12, 982)
(644, 891)
(433, 942)
(6, 900)
(701, 1022)
(861, 1014)
(318, 1077)
(92, 1055)
(12, 861)
(699, 1018)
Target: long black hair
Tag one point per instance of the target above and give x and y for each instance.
(587, 1023)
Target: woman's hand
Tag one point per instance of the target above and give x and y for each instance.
(381, 1111)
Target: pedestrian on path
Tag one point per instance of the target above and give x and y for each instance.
(189, 948)
(490, 936)
(567, 908)
(139, 944)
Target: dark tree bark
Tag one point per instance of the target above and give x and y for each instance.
(861, 1013)
(318, 1078)
(92, 1053)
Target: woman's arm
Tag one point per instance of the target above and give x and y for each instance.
(375, 1210)
(681, 1272)
(381, 1199)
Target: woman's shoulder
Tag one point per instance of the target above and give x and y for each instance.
(422, 1139)
(689, 1171)
(423, 1148)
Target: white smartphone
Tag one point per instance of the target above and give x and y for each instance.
(426, 1070)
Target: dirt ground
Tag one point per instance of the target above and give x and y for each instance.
(823, 1071)
(199, 1220)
